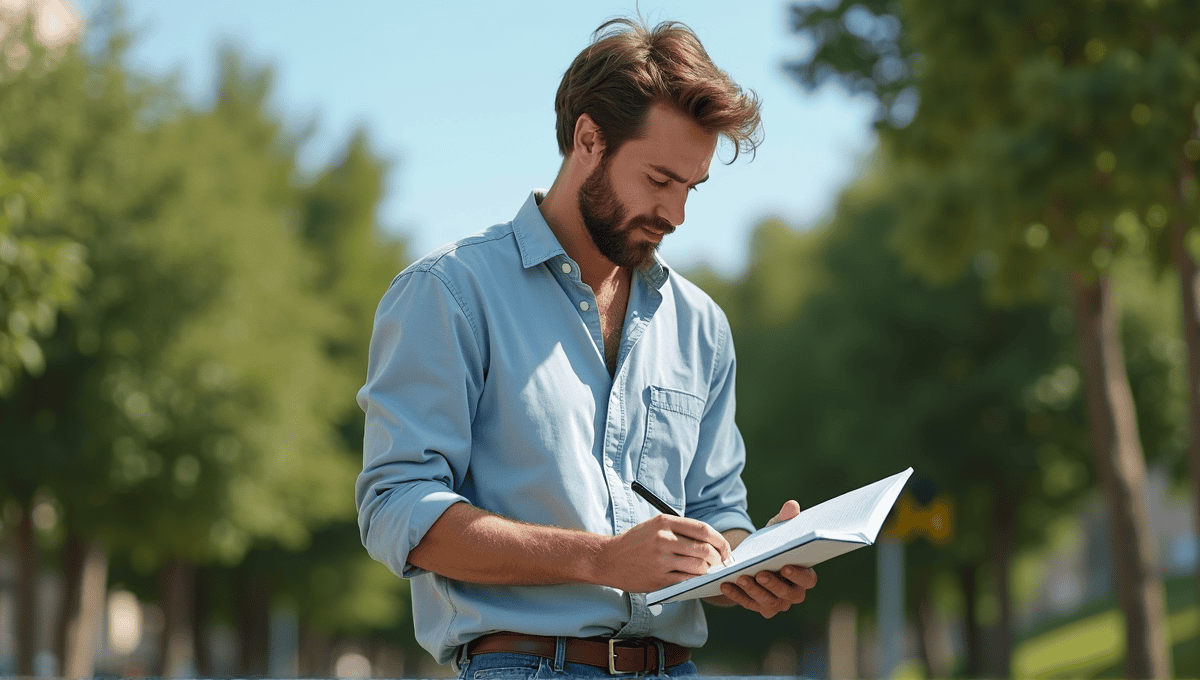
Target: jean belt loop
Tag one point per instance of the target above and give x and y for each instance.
(461, 660)
(560, 653)
(662, 657)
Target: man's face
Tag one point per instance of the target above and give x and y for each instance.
(634, 197)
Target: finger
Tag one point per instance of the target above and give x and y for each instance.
(681, 545)
(781, 588)
(694, 528)
(700, 531)
(692, 547)
(739, 596)
(765, 598)
(693, 566)
(801, 576)
(789, 510)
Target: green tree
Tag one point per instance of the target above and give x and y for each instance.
(336, 587)
(41, 269)
(251, 454)
(41, 266)
(357, 262)
(1029, 133)
(852, 368)
(186, 321)
(182, 414)
(51, 126)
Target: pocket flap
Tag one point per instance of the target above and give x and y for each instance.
(677, 401)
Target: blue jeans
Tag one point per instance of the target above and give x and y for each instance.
(512, 666)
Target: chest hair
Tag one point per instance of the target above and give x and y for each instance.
(612, 301)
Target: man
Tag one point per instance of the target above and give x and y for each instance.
(522, 378)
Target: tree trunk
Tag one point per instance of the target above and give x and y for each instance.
(27, 600)
(85, 587)
(1189, 288)
(201, 652)
(176, 594)
(315, 653)
(972, 635)
(253, 623)
(843, 642)
(387, 661)
(929, 650)
(71, 572)
(1003, 541)
(1121, 468)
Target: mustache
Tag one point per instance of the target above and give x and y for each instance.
(654, 222)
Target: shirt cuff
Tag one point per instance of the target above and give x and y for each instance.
(425, 512)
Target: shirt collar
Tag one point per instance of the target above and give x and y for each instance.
(534, 238)
(538, 243)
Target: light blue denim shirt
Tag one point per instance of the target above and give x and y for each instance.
(487, 384)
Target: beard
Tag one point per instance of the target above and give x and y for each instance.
(604, 217)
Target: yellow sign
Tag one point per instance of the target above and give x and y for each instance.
(910, 519)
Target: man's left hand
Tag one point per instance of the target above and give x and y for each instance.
(772, 592)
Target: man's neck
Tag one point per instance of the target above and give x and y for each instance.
(561, 212)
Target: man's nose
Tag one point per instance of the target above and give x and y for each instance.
(673, 209)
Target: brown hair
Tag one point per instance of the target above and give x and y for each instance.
(629, 67)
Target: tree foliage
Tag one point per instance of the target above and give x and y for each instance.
(1046, 135)
(186, 319)
(852, 368)
(1036, 143)
(40, 273)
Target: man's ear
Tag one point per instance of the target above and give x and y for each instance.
(588, 139)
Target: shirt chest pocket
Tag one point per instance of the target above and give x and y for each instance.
(672, 435)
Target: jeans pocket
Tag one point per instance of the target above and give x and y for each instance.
(503, 666)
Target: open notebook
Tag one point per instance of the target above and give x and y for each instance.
(832, 528)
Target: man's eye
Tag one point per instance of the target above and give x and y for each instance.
(660, 185)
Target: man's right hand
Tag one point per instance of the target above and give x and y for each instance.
(659, 552)
(473, 545)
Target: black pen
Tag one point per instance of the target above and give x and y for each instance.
(658, 503)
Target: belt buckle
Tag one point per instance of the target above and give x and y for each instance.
(612, 657)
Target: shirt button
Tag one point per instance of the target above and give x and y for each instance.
(566, 267)
(584, 305)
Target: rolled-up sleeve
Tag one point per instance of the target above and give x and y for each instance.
(424, 378)
(716, 493)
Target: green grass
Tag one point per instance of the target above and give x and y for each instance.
(1090, 643)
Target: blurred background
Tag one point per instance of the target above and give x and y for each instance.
(967, 245)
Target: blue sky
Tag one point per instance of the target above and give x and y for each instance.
(461, 96)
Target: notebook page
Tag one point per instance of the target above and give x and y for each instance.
(849, 513)
(832, 528)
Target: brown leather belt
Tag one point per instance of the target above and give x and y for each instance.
(616, 655)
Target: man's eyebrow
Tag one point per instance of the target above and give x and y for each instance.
(677, 178)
